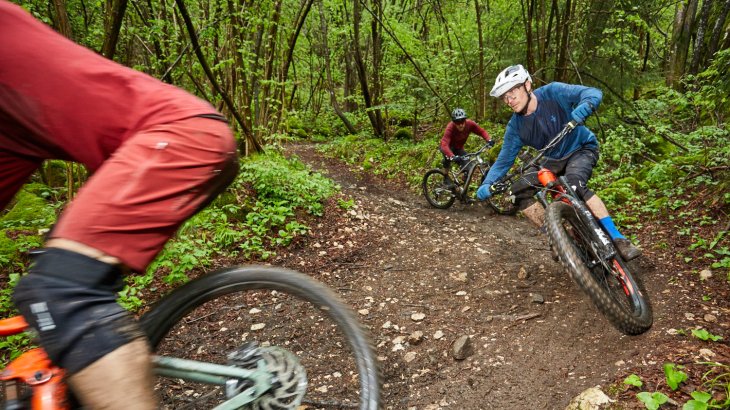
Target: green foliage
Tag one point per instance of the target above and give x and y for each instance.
(633, 380)
(403, 134)
(346, 204)
(13, 346)
(22, 227)
(259, 212)
(652, 401)
(30, 211)
(673, 375)
(703, 334)
(699, 401)
(6, 292)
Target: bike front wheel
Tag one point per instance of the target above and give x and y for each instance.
(610, 284)
(283, 311)
(438, 189)
(503, 203)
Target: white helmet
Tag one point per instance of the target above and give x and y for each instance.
(508, 78)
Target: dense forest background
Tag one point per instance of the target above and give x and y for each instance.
(372, 66)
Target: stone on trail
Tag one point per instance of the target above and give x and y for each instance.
(591, 399)
(462, 348)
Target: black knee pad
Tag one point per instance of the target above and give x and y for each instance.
(579, 186)
(70, 300)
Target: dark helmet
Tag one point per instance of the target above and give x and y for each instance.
(458, 114)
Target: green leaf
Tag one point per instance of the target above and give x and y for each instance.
(701, 396)
(652, 401)
(703, 334)
(694, 405)
(674, 377)
(634, 380)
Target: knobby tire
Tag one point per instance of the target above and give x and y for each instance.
(435, 191)
(623, 301)
(235, 286)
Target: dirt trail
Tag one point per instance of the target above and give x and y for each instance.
(537, 340)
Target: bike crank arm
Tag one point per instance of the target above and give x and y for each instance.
(220, 375)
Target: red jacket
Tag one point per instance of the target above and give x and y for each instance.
(62, 109)
(453, 138)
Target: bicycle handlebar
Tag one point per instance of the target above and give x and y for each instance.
(502, 184)
(482, 149)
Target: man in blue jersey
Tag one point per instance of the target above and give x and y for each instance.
(539, 115)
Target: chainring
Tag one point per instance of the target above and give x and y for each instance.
(290, 380)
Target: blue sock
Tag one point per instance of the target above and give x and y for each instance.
(608, 225)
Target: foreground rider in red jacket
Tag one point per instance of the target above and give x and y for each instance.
(157, 155)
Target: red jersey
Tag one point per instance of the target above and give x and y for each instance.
(61, 109)
(453, 138)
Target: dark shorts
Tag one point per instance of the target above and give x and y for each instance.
(577, 168)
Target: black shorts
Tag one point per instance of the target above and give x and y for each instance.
(576, 167)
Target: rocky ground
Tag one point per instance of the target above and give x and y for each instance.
(469, 311)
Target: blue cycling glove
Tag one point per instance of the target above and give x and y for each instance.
(483, 193)
(581, 112)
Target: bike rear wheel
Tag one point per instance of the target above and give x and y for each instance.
(609, 283)
(215, 314)
(436, 189)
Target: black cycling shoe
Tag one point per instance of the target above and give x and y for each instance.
(627, 250)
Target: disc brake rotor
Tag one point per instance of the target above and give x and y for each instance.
(289, 378)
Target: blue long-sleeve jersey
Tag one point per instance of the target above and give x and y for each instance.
(555, 102)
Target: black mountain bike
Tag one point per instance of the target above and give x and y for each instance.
(585, 249)
(443, 187)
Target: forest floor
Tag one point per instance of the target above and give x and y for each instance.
(536, 340)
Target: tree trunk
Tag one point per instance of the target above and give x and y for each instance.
(361, 71)
(562, 63)
(63, 24)
(528, 11)
(115, 10)
(376, 31)
(328, 70)
(681, 39)
(481, 91)
(263, 114)
(699, 48)
(717, 30)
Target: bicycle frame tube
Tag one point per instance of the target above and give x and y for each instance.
(49, 392)
(216, 374)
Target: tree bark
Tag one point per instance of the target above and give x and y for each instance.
(528, 11)
(699, 48)
(328, 69)
(717, 30)
(681, 38)
(481, 91)
(361, 71)
(62, 22)
(115, 10)
(562, 63)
